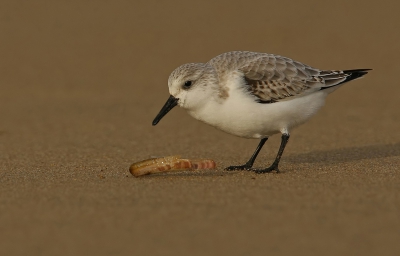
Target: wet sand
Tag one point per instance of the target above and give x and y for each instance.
(80, 84)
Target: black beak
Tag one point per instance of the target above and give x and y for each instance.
(170, 104)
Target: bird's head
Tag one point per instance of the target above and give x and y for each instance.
(190, 85)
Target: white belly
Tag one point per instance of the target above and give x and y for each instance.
(240, 115)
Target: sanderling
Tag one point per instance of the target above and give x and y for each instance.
(253, 95)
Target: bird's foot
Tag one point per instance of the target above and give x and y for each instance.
(266, 170)
(246, 167)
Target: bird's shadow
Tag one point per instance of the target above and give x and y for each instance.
(346, 154)
(326, 156)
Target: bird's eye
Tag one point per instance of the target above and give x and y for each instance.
(187, 84)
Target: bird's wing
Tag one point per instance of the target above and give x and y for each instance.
(272, 78)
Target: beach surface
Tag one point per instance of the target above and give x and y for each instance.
(81, 82)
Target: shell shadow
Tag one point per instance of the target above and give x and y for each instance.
(346, 154)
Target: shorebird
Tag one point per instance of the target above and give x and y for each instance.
(253, 95)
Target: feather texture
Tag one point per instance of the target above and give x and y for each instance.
(271, 78)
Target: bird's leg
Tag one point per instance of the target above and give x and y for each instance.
(249, 164)
(274, 166)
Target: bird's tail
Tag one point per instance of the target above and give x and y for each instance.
(334, 78)
(354, 74)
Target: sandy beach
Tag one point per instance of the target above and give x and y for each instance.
(81, 82)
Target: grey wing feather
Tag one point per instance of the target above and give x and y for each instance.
(272, 78)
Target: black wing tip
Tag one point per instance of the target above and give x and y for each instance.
(357, 70)
(354, 74)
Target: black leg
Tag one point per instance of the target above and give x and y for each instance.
(274, 166)
(249, 164)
